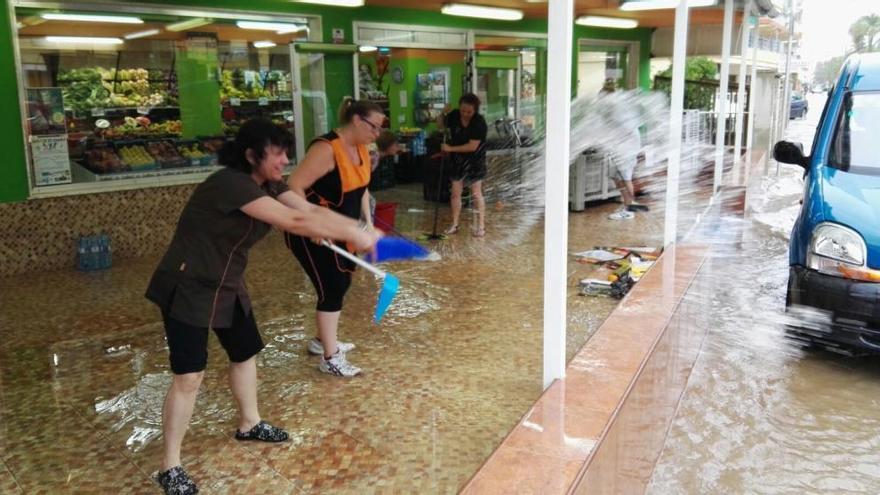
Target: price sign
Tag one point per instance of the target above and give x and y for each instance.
(235, 102)
(263, 101)
(98, 112)
(50, 159)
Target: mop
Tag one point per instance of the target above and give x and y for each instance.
(390, 283)
(400, 247)
(434, 235)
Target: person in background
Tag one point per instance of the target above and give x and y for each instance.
(335, 174)
(199, 283)
(624, 156)
(466, 147)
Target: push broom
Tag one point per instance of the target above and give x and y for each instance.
(390, 283)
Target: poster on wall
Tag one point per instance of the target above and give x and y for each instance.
(45, 107)
(50, 159)
(47, 131)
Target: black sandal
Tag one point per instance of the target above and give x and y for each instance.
(176, 481)
(263, 432)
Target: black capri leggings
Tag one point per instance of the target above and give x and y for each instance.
(330, 273)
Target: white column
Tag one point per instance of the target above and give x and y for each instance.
(676, 109)
(560, 22)
(721, 128)
(786, 96)
(740, 99)
(753, 95)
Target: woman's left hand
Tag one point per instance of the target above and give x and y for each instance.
(445, 148)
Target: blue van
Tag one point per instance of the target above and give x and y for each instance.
(834, 261)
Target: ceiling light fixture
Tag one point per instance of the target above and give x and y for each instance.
(335, 3)
(118, 19)
(607, 22)
(632, 5)
(83, 39)
(497, 13)
(141, 34)
(278, 27)
(367, 48)
(188, 24)
(264, 44)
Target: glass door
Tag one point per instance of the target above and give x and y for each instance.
(606, 65)
(323, 75)
(498, 85)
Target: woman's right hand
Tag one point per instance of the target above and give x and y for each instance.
(365, 240)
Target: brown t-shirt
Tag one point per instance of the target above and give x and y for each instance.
(202, 273)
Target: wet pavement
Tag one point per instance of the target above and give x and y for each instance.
(760, 414)
(454, 365)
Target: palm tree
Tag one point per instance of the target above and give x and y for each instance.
(865, 33)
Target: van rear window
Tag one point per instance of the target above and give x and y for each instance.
(856, 145)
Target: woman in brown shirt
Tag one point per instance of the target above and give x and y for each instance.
(199, 284)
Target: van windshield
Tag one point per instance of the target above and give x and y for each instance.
(856, 146)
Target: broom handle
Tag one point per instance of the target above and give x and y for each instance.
(354, 259)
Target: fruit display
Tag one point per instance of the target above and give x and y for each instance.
(166, 154)
(135, 156)
(96, 87)
(141, 127)
(193, 152)
(103, 160)
(250, 84)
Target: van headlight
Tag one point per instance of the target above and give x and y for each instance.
(835, 245)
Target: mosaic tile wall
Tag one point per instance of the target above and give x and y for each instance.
(41, 234)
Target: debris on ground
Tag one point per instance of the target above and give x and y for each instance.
(615, 269)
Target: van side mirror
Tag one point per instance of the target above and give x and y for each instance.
(787, 152)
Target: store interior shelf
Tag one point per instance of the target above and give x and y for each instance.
(82, 174)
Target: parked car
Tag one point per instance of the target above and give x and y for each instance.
(834, 261)
(799, 106)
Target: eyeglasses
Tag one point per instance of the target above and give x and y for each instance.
(374, 127)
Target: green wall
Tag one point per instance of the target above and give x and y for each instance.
(13, 171)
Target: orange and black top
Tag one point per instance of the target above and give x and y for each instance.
(342, 189)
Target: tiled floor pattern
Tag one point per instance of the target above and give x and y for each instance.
(456, 363)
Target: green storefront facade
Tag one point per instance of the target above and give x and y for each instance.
(14, 181)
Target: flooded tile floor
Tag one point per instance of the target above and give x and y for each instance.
(456, 363)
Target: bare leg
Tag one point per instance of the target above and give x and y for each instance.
(176, 413)
(243, 382)
(630, 190)
(455, 200)
(328, 324)
(480, 203)
(625, 187)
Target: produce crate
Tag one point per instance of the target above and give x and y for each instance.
(101, 158)
(188, 146)
(166, 154)
(134, 155)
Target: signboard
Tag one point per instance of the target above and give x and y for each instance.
(50, 159)
(47, 135)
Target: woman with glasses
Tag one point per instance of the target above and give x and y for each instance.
(335, 173)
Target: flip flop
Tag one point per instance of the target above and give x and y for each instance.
(479, 232)
(451, 230)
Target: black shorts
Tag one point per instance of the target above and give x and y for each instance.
(188, 345)
(467, 170)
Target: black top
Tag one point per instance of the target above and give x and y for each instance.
(202, 273)
(458, 135)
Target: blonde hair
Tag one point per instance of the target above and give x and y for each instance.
(351, 107)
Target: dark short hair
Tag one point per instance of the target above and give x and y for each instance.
(256, 135)
(385, 140)
(470, 99)
(351, 107)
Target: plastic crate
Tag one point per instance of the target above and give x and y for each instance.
(139, 143)
(201, 161)
(93, 253)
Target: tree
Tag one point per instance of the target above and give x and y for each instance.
(827, 70)
(865, 33)
(700, 82)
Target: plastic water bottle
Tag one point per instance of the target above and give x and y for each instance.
(81, 254)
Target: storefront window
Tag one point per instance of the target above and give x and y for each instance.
(145, 96)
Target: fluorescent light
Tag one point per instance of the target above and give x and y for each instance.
(608, 22)
(335, 3)
(188, 24)
(263, 44)
(141, 34)
(83, 39)
(367, 48)
(50, 16)
(466, 10)
(632, 5)
(278, 27)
